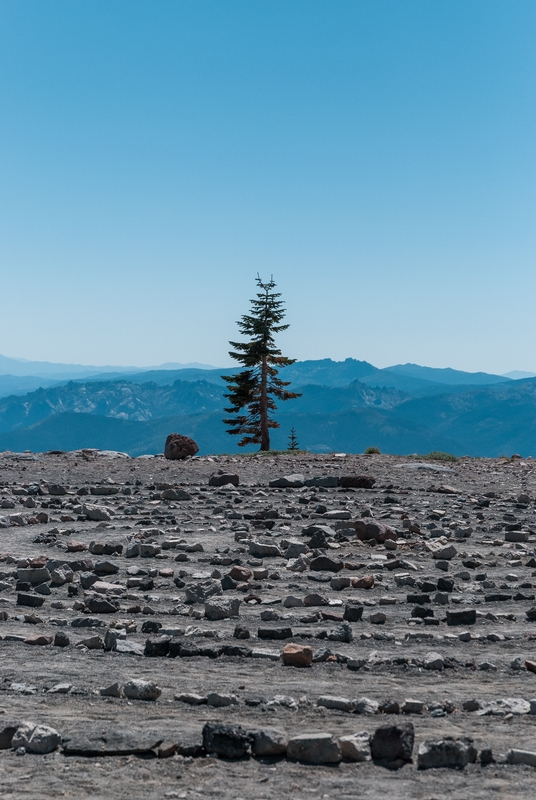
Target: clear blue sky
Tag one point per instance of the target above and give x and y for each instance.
(376, 156)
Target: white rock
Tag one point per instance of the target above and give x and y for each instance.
(141, 690)
(355, 746)
(34, 738)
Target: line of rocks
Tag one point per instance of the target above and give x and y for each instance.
(390, 746)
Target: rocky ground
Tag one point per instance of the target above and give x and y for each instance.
(140, 605)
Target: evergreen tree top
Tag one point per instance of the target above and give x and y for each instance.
(260, 325)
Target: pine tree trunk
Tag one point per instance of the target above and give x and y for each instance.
(265, 432)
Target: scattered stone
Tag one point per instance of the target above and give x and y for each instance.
(226, 741)
(114, 690)
(356, 746)
(218, 700)
(447, 752)
(466, 616)
(112, 743)
(337, 703)
(222, 609)
(433, 661)
(223, 479)
(393, 744)
(314, 748)
(289, 481)
(268, 743)
(366, 706)
(141, 690)
(297, 655)
(40, 739)
(357, 481)
(412, 707)
(521, 757)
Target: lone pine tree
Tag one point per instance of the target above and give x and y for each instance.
(293, 443)
(252, 392)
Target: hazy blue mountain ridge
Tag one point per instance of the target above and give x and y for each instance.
(345, 406)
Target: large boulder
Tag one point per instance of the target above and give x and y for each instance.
(179, 447)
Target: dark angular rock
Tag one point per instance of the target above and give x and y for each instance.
(187, 650)
(240, 632)
(228, 583)
(87, 622)
(227, 741)
(61, 639)
(30, 600)
(151, 626)
(97, 604)
(274, 633)
(465, 616)
(357, 481)
(418, 599)
(486, 756)
(211, 651)
(56, 489)
(87, 579)
(391, 743)
(445, 585)
(157, 647)
(327, 481)
(7, 732)
(224, 478)
(105, 568)
(353, 613)
(326, 564)
(421, 612)
(236, 650)
(80, 565)
(389, 706)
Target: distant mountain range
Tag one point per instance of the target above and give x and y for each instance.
(345, 406)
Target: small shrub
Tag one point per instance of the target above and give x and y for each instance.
(373, 451)
(439, 455)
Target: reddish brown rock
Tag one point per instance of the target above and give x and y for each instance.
(366, 582)
(166, 572)
(37, 563)
(179, 447)
(372, 529)
(297, 655)
(76, 547)
(39, 640)
(240, 574)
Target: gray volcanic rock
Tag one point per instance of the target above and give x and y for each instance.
(447, 752)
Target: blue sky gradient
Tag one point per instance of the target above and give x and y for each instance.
(376, 156)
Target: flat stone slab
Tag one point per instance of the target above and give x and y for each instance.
(113, 743)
